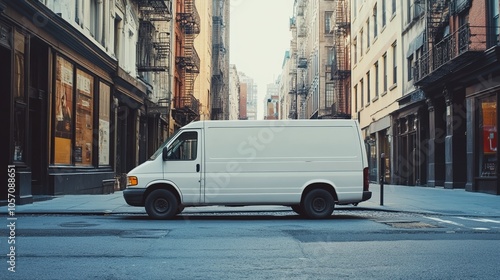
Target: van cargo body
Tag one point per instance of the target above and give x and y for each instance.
(310, 165)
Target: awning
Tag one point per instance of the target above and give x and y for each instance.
(415, 44)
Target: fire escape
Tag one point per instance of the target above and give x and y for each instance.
(292, 114)
(341, 72)
(449, 47)
(302, 61)
(218, 51)
(186, 106)
(153, 49)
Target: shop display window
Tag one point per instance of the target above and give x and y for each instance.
(489, 136)
(104, 123)
(84, 124)
(63, 112)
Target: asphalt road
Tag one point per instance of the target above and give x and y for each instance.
(254, 245)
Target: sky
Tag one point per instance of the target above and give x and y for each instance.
(259, 37)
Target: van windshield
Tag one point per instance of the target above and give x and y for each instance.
(160, 149)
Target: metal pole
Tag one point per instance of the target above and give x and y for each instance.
(296, 103)
(382, 175)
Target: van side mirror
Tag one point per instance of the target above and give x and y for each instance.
(164, 153)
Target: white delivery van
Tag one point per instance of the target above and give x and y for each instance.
(310, 165)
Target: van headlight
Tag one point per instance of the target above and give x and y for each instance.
(132, 181)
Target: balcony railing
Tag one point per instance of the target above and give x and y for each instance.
(452, 52)
(190, 61)
(189, 103)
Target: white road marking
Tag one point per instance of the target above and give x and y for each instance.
(483, 220)
(445, 221)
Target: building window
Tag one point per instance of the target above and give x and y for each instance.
(376, 79)
(394, 64)
(118, 37)
(409, 6)
(63, 115)
(384, 19)
(329, 98)
(495, 22)
(361, 42)
(355, 49)
(375, 25)
(384, 59)
(104, 123)
(94, 18)
(393, 7)
(328, 22)
(20, 104)
(362, 93)
(84, 125)
(368, 86)
(367, 33)
(488, 132)
(410, 67)
(355, 98)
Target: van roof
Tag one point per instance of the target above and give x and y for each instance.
(250, 123)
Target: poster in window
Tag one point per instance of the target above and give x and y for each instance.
(490, 137)
(84, 116)
(104, 124)
(63, 114)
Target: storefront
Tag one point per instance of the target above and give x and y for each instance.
(482, 152)
(411, 148)
(378, 142)
(57, 91)
(80, 126)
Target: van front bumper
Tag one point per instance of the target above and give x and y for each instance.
(134, 197)
(366, 195)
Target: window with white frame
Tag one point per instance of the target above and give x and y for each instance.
(394, 64)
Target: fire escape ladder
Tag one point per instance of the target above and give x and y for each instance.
(341, 72)
(153, 47)
(438, 15)
(186, 105)
(218, 49)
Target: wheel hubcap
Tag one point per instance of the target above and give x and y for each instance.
(161, 205)
(319, 204)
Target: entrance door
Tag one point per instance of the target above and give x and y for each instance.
(38, 140)
(121, 141)
(38, 120)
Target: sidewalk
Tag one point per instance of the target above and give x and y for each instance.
(396, 198)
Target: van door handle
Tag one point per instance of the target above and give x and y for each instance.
(198, 167)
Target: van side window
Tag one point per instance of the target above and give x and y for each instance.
(184, 147)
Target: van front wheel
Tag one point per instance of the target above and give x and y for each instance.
(318, 204)
(161, 205)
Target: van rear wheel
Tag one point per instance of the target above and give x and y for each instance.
(161, 205)
(318, 204)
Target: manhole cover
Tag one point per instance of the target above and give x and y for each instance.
(144, 234)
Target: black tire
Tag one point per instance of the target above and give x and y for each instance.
(318, 204)
(161, 205)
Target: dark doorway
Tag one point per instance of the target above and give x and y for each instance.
(38, 120)
(5, 110)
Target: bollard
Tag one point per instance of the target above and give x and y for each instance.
(382, 175)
